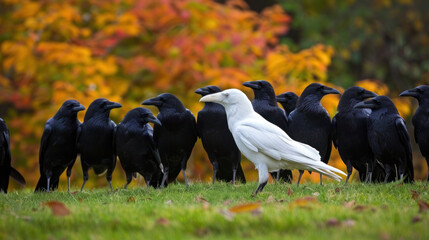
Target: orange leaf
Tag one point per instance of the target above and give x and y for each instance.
(57, 208)
(423, 206)
(304, 202)
(247, 207)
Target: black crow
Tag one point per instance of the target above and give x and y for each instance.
(218, 141)
(96, 137)
(349, 133)
(310, 123)
(265, 104)
(288, 101)
(388, 137)
(6, 170)
(136, 149)
(421, 119)
(58, 149)
(176, 137)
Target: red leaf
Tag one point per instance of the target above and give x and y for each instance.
(57, 208)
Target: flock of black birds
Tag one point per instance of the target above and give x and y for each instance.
(370, 136)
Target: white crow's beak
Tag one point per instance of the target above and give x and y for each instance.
(215, 97)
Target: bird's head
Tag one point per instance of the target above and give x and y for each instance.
(226, 98)
(142, 115)
(71, 106)
(207, 90)
(352, 96)
(315, 92)
(287, 98)
(262, 89)
(421, 93)
(100, 106)
(165, 100)
(377, 103)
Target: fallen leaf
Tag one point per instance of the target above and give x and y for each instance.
(226, 214)
(316, 194)
(415, 195)
(247, 207)
(416, 218)
(201, 232)
(270, 199)
(303, 202)
(337, 190)
(200, 199)
(73, 193)
(360, 208)
(169, 202)
(57, 208)
(423, 206)
(80, 199)
(349, 204)
(163, 221)
(148, 199)
(131, 199)
(227, 202)
(349, 223)
(289, 192)
(333, 222)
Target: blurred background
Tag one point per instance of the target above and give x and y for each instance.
(128, 51)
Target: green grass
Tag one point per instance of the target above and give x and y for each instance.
(380, 211)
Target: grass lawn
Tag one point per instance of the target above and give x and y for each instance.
(332, 211)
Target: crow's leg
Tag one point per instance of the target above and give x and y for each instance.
(300, 175)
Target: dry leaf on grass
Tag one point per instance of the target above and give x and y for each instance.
(227, 214)
(289, 192)
(227, 202)
(131, 199)
(169, 202)
(316, 194)
(349, 204)
(57, 208)
(415, 195)
(416, 219)
(270, 199)
(247, 207)
(304, 202)
(163, 221)
(200, 199)
(333, 222)
(423, 206)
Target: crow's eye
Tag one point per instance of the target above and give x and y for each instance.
(419, 90)
(225, 94)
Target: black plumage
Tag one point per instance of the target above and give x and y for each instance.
(6, 170)
(310, 123)
(58, 149)
(136, 149)
(349, 133)
(265, 104)
(96, 137)
(288, 101)
(176, 137)
(218, 141)
(421, 119)
(388, 137)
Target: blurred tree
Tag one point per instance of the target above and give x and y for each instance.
(128, 51)
(386, 40)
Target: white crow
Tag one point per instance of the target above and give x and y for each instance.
(263, 143)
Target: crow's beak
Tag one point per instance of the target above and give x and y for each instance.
(201, 91)
(368, 94)
(410, 93)
(252, 85)
(328, 90)
(215, 97)
(78, 108)
(152, 101)
(113, 105)
(281, 98)
(366, 104)
(153, 119)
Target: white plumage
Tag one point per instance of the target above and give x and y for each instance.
(263, 143)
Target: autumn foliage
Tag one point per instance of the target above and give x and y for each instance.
(128, 51)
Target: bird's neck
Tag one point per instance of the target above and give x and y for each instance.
(238, 111)
(346, 105)
(267, 96)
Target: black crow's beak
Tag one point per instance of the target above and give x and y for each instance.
(201, 91)
(368, 94)
(366, 104)
(328, 90)
(281, 98)
(113, 105)
(252, 85)
(153, 119)
(78, 108)
(410, 93)
(152, 101)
